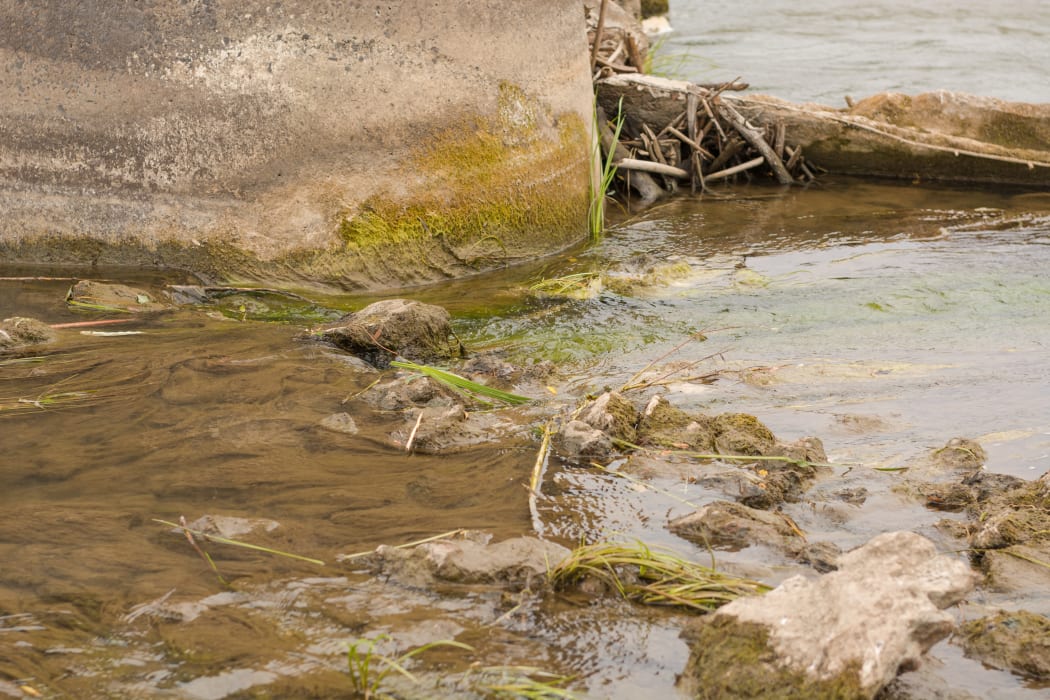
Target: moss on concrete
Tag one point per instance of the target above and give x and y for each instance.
(484, 192)
(481, 193)
(733, 659)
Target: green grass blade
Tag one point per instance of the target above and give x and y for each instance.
(462, 384)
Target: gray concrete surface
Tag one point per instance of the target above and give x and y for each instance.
(243, 138)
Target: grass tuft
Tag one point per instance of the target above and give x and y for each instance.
(653, 576)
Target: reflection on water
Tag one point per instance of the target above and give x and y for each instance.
(883, 319)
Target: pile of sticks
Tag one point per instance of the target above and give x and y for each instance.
(710, 141)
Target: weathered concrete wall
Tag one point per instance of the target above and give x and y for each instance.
(293, 141)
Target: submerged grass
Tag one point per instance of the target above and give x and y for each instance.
(581, 285)
(523, 682)
(463, 385)
(653, 576)
(369, 669)
(237, 543)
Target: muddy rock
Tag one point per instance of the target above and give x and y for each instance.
(613, 415)
(843, 635)
(409, 390)
(742, 434)
(664, 425)
(1010, 535)
(114, 296)
(514, 562)
(577, 441)
(416, 331)
(18, 332)
(1013, 641)
(733, 526)
(492, 370)
(959, 456)
(758, 484)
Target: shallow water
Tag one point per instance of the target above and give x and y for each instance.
(884, 319)
(821, 52)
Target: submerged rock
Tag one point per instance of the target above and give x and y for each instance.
(108, 296)
(341, 422)
(723, 525)
(579, 442)
(844, 635)
(734, 526)
(514, 562)
(418, 332)
(19, 331)
(1013, 641)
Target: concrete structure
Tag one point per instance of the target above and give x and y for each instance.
(362, 145)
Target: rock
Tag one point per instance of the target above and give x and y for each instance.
(512, 562)
(742, 434)
(663, 425)
(822, 556)
(844, 635)
(733, 526)
(960, 454)
(1013, 641)
(231, 527)
(113, 296)
(340, 423)
(579, 442)
(613, 415)
(418, 332)
(924, 683)
(1010, 532)
(1015, 569)
(18, 332)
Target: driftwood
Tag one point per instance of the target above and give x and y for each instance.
(651, 167)
(707, 138)
(647, 188)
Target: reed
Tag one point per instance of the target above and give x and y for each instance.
(600, 189)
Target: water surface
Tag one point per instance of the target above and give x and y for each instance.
(883, 318)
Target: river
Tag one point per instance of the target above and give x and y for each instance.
(884, 318)
(822, 52)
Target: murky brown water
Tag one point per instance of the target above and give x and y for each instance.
(884, 319)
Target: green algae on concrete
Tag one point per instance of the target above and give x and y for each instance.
(484, 193)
